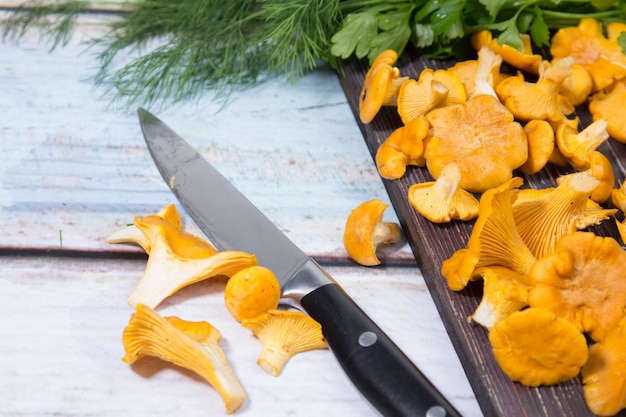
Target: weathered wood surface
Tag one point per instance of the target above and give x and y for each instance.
(433, 243)
(60, 351)
(74, 169)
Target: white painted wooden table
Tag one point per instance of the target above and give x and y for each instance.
(74, 169)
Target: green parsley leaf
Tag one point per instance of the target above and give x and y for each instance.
(621, 40)
(355, 35)
(493, 6)
(424, 34)
(395, 38)
(539, 31)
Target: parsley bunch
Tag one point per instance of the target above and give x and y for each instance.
(439, 28)
(180, 48)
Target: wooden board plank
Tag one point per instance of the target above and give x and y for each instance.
(61, 350)
(75, 168)
(432, 244)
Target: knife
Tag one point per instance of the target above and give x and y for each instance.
(375, 365)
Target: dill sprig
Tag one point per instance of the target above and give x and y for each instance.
(177, 49)
(180, 48)
(214, 43)
(55, 21)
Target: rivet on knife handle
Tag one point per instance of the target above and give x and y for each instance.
(375, 365)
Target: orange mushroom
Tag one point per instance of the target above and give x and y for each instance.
(494, 240)
(443, 200)
(540, 100)
(365, 230)
(403, 147)
(381, 85)
(191, 345)
(283, 334)
(251, 292)
(588, 46)
(536, 347)
(481, 136)
(523, 59)
(604, 374)
(582, 281)
(608, 105)
(433, 88)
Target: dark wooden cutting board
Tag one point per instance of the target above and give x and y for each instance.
(433, 243)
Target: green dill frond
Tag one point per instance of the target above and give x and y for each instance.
(53, 20)
(214, 44)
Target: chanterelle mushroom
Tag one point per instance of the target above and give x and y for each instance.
(131, 234)
(540, 100)
(604, 374)
(365, 231)
(403, 147)
(481, 136)
(583, 282)
(535, 347)
(433, 88)
(381, 85)
(523, 58)
(586, 44)
(443, 200)
(540, 136)
(618, 196)
(494, 240)
(577, 146)
(543, 219)
(283, 334)
(504, 292)
(191, 345)
(177, 259)
(607, 105)
(251, 292)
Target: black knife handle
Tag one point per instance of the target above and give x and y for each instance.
(376, 366)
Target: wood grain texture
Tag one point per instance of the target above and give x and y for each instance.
(61, 350)
(433, 243)
(76, 168)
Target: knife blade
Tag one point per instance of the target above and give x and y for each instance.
(383, 374)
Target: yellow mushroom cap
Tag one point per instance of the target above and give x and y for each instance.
(504, 292)
(191, 345)
(283, 334)
(481, 136)
(540, 137)
(131, 234)
(535, 347)
(365, 231)
(540, 100)
(586, 44)
(433, 88)
(582, 282)
(541, 220)
(380, 86)
(618, 197)
(494, 240)
(403, 147)
(577, 87)
(523, 59)
(602, 169)
(608, 105)
(604, 374)
(443, 200)
(178, 259)
(577, 146)
(251, 292)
